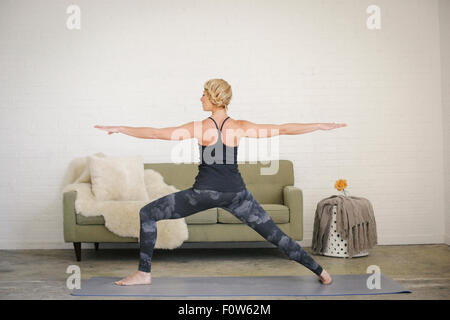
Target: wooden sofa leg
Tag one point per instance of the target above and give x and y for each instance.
(77, 247)
(96, 246)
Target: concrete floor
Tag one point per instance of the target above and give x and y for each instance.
(41, 274)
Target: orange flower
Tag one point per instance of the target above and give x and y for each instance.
(340, 184)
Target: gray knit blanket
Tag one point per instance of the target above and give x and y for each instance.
(355, 222)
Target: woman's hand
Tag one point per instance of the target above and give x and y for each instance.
(110, 129)
(329, 126)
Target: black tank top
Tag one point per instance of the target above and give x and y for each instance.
(218, 168)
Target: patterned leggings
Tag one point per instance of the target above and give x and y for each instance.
(241, 204)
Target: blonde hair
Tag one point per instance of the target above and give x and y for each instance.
(218, 92)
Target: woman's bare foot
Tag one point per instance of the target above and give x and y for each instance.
(325, 278)
(138, 277)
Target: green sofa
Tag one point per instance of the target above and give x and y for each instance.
(276, 194)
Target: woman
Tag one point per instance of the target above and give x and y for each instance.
(219, 182)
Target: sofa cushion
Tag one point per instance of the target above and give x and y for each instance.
(89, 220)
(203, 217)
(278, 212)
(208, 216)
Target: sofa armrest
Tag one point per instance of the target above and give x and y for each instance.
(69, 218)
(293, 199)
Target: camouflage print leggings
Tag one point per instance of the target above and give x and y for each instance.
(241, 204)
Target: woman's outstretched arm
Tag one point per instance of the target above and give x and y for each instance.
(185, 131)
(300, 128)
(254, 130)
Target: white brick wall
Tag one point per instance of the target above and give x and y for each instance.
(142, 63)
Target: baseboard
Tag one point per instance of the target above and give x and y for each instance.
(447, 240)
(224, 244)
(411, 239)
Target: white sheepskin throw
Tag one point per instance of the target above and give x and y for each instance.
(122, 216)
